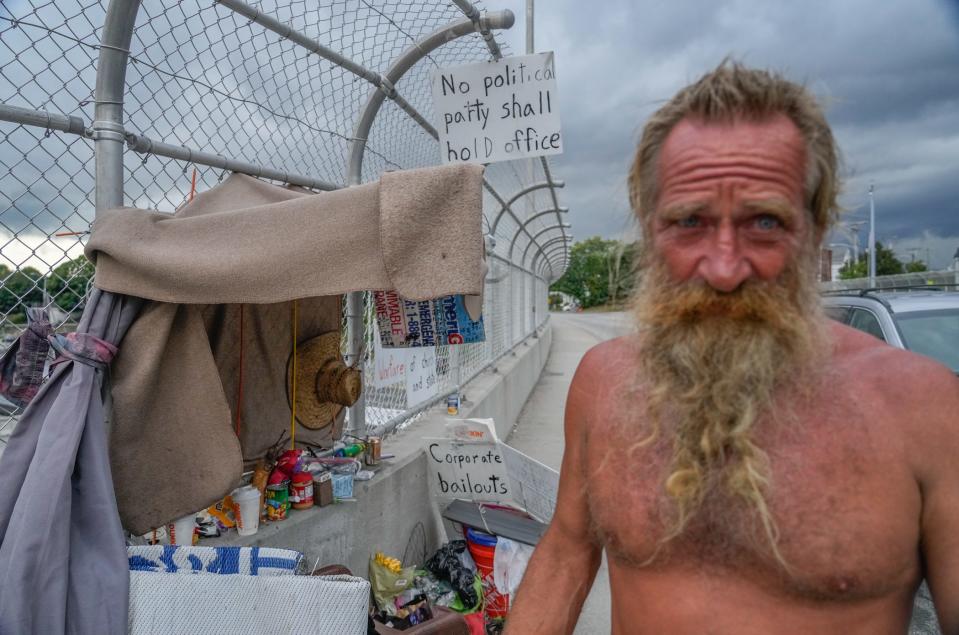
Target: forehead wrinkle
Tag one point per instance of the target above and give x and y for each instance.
(697, 172)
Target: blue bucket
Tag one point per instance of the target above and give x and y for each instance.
(478, 537)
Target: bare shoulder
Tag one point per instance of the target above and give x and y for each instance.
(919, 395)
(889, 368)
(607, 366)
(604, 376)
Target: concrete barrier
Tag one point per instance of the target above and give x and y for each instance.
(394, 512)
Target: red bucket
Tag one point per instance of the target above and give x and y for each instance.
(482, 547)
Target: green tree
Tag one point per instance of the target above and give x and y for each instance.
(68, 282)
(599, 270)
(18, 290)
(916, 266)
(886, 264)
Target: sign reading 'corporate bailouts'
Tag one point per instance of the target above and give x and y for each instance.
(497, 111)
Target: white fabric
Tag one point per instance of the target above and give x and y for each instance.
(163, 604)
(221, 560)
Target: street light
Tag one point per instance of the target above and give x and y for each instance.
(872, 238)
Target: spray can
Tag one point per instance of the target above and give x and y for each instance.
(350, 450)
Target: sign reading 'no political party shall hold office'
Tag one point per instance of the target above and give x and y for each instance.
(497, 111)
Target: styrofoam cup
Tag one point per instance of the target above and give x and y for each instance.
(246, 509)
(181, 531)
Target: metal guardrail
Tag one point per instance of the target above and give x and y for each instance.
(915, 280)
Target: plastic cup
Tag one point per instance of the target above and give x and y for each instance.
(181, 531)
(246, 509)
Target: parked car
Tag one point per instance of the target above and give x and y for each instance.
(919, 319)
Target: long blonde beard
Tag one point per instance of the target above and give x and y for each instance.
(712, 364)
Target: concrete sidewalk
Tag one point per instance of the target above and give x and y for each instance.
(539, 429)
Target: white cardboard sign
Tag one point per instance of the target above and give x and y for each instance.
(421, 380)
(389, 365)
(413, 367)
(497, 111)
(473, 471)
(468, 463)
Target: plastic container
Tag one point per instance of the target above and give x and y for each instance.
(182, 530)
(301, 490)
(343, 485)
(482, 547)
(246, 509)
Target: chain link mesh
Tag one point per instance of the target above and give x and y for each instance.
(201, 76)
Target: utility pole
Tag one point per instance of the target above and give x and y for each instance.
(530, 49)
(872, 238)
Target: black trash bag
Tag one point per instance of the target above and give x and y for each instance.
(447, 564)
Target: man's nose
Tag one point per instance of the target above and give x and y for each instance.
(723, 266)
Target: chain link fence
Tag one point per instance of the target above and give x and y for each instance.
(239, 82)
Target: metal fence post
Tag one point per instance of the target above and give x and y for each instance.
(107, 127)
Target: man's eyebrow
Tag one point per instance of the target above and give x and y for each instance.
(781, 209)
(679, 211)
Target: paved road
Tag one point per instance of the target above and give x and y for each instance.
(539, 430)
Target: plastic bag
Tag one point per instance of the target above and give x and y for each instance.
(509, 564)
(448, 564)
(387, 583)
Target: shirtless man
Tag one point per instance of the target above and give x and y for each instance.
(747, 465)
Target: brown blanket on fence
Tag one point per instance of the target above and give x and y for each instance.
(174, 442)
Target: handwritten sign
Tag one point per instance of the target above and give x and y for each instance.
(415, 369)
(421, 380)
(389, 365)
(497, 111)
(473, 471)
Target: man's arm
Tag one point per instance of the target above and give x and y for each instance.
(565, 561)
(940, 495)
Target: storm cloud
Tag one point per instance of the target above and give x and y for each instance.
(887, 73)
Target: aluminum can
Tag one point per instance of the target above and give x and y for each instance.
(453, 404)
(374, 448)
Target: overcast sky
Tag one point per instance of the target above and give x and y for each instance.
(887, 70)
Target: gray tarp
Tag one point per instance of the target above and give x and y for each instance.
(63, 562)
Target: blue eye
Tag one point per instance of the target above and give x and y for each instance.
(768, 223)
(689, 221)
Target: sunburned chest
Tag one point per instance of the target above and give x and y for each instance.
(843, 500)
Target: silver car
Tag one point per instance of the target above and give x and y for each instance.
(921, 320)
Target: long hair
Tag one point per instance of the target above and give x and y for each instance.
(714, 362)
